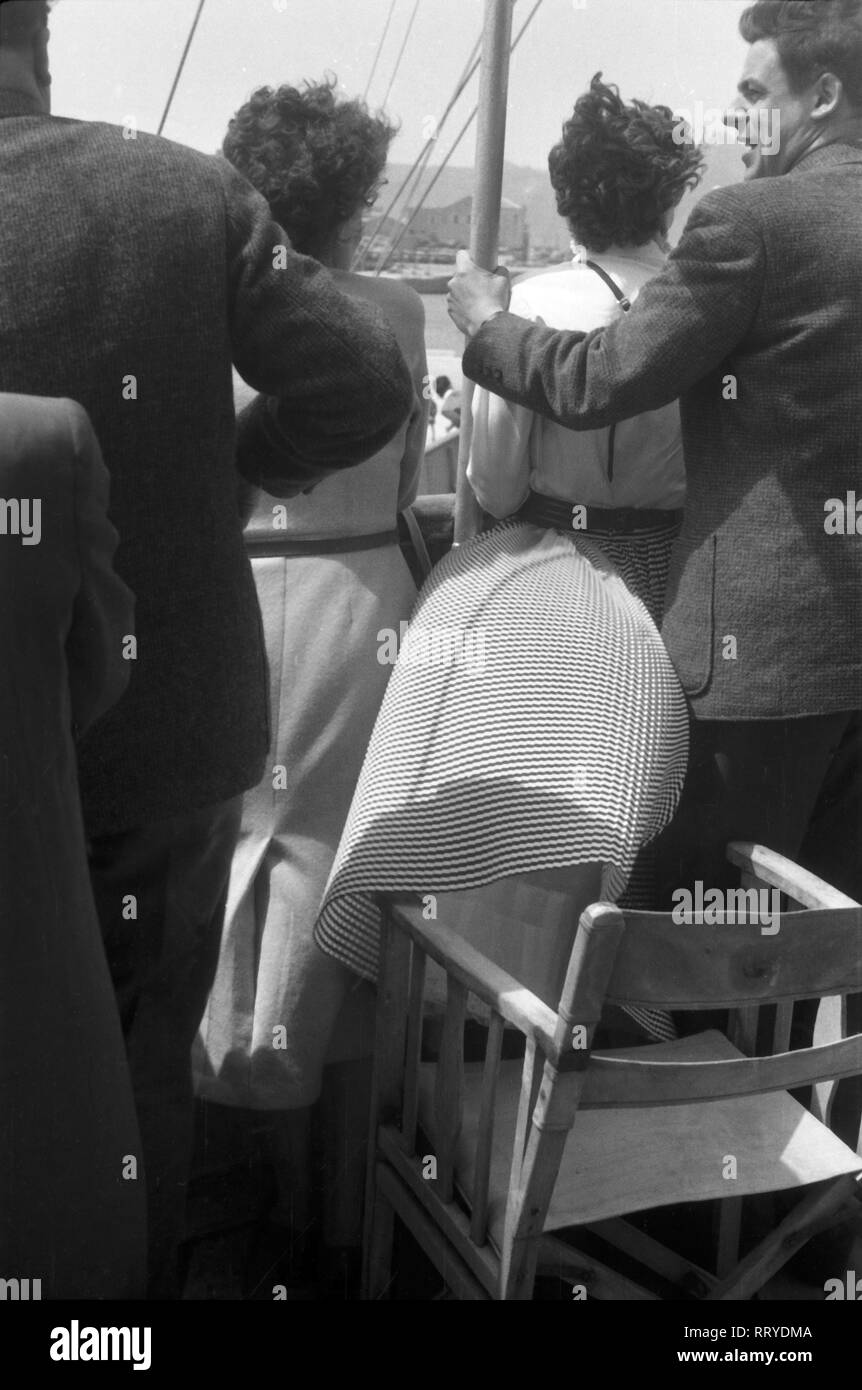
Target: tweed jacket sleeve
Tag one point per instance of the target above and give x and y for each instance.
(683, 325)
(335, 385)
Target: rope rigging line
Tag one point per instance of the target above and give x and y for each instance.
(387, 255)
(172, 93)
(400, 54)
(418, 168)
(379, 50)
(423, 156)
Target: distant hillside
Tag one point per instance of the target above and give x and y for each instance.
(531, 188)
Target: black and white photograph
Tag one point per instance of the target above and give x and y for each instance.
(430, 672)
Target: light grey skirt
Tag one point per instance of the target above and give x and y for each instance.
(533, 721)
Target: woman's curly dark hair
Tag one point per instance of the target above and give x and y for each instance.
(315, 159)
(618, 168)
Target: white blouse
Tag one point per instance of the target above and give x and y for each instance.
(514, 450)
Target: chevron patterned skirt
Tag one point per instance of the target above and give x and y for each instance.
(533, 721)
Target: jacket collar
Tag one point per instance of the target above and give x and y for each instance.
(15, 103)
(828, 156)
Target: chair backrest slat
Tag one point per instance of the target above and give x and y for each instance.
(626, 1081)
(675, 965)
(449, 1087)
(485, 1134)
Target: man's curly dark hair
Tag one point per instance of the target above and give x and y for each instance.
(316, 159)
(618, 169)
(812, 36)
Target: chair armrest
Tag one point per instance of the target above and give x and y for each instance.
(506, 996)
(804, 888)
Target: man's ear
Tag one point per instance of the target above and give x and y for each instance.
(829, 94)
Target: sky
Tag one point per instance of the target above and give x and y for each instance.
(115, 60)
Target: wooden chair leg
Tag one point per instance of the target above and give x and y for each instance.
(525, 1219)
(431, 1240)
(762, 1262)
(519, 1271)
(377, 1255)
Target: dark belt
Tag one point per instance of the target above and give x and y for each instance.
(270, 548)
(575, 516)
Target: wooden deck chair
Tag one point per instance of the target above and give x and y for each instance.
(483, 1162)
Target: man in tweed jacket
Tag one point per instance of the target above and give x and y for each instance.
(756, 324)
(134, 273)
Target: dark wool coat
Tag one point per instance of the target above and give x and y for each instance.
(133, 273)
(69, 1215)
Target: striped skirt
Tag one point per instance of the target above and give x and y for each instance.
(533, 721)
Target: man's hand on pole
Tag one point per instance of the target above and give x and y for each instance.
(476, 295)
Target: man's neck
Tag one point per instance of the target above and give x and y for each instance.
(847, 131)
(17, 76)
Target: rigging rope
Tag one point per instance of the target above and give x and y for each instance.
(379, 50)
(181, 66)
(423, 156)
(387, 255)
(400, 54)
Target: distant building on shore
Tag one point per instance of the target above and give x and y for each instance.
(450, 226)
(434, 233)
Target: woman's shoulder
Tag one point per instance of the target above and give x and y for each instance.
(545, 286)
(398, 301)
(542, 276)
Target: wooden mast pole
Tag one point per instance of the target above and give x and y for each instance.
(485, 218)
